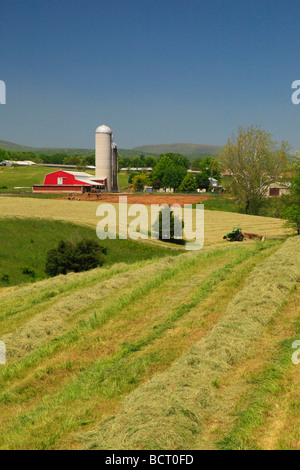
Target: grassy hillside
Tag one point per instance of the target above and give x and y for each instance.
(11, 177)
(26, 242)
(48, 151)
(161, 354)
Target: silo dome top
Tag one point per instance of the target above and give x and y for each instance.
(103, 130)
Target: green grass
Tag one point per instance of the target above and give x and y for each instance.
(12, 177)
(123, 180)
(25, 243)
(220, 203)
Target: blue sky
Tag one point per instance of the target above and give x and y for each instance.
(154, 71)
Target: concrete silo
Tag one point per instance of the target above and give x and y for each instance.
(106, 154)
(114, 150)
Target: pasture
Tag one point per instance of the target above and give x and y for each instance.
(11, 177)
(26, 242)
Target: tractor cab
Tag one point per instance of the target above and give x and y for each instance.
(235, 236)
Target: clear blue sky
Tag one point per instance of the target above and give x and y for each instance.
(155, 71)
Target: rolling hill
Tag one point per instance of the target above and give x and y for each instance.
(190, 150)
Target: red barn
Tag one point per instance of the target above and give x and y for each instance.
(69, 181)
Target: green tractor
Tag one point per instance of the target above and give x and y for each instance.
(235, 236)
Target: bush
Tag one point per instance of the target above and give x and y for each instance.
(132, 174)
(156, 184)
(29, 272)
(139, 181)
(5, 278)
(77, 257)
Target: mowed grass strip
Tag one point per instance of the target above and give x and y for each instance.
(52, 322)
(168, 411)
(107, 365)
(265, 415)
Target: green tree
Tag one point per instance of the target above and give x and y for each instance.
(76, 257)
(177, 159)
(150, 161)
(189, 184)
(291, 211)
(255, 162)
(139, 181)
(170, 174)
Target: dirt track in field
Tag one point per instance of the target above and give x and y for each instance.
(146, 199)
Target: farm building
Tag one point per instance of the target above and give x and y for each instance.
(70, 181)
(278, 189)
(106, 178)
(21, 163)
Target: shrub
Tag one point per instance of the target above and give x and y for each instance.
(77, 257)
(5, 278)
(139, 181)
(132, 174)
(156, 184)
(29, 272)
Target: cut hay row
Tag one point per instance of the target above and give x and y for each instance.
(117, 346)
(169, 411)
(54, 321)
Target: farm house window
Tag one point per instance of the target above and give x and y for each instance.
(60, 181)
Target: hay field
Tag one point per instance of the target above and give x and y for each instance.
(217, 223)
(180, 352)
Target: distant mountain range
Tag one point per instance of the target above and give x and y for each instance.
(190, 150)
(48, 151)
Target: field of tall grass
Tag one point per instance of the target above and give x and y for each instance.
(176, 352)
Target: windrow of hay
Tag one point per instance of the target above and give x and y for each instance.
(54, 321)
(169, 411)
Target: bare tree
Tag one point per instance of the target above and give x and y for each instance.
(255, 161)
